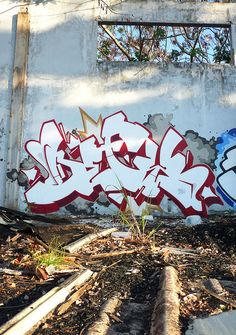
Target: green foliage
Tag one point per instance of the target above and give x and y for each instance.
(146, 43)
(175, 54)
(221, 54)
(159, 32)
(105, 48)
(137, 226)
(141, 57)
(54, 256)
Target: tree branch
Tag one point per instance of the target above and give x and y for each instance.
(117, 43)
(179, 45)
(195, 44)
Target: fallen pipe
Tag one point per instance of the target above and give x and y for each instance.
(76, 245)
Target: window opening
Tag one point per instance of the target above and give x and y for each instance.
(163, 43)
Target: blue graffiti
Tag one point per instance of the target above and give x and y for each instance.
(226, 167)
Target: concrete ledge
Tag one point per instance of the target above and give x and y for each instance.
(165, 316)
(169, 11)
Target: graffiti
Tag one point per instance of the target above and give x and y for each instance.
(226, 178)
(18, 176)
(128, 162)
(90, 125)
(80, 207)
(204, 151)
(158, 124)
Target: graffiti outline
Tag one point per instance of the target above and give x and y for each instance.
(127, 162)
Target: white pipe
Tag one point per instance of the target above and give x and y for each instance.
(76, 245)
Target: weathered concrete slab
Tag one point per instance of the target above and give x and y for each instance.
(221, 324)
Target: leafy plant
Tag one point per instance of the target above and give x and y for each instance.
(137, 226)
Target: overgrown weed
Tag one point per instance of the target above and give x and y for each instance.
(55, 255)
(137, 226)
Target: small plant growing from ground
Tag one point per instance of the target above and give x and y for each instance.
(55, 255)
(129, 220)
(137, 226)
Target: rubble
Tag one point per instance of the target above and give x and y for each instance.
(193, 220)
(130, 268)
(25, 320)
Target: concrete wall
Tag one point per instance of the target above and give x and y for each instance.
(168, 11)
(199, 101)
(7, 37)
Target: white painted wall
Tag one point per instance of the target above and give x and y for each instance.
(63, 74)
(7, 34)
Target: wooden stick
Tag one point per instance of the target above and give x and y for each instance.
(117, 253)
(76, 295)
(219, 297)
(15, 238)
(179, 251)
(176, 251)
(104, 269)
(77, 245)
(11, 272)
(36, 239)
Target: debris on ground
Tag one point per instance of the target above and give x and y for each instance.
(34, 260)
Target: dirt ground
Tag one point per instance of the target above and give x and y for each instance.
(198, 253)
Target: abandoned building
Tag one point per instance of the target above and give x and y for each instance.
(109, 104)
(117, 143)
